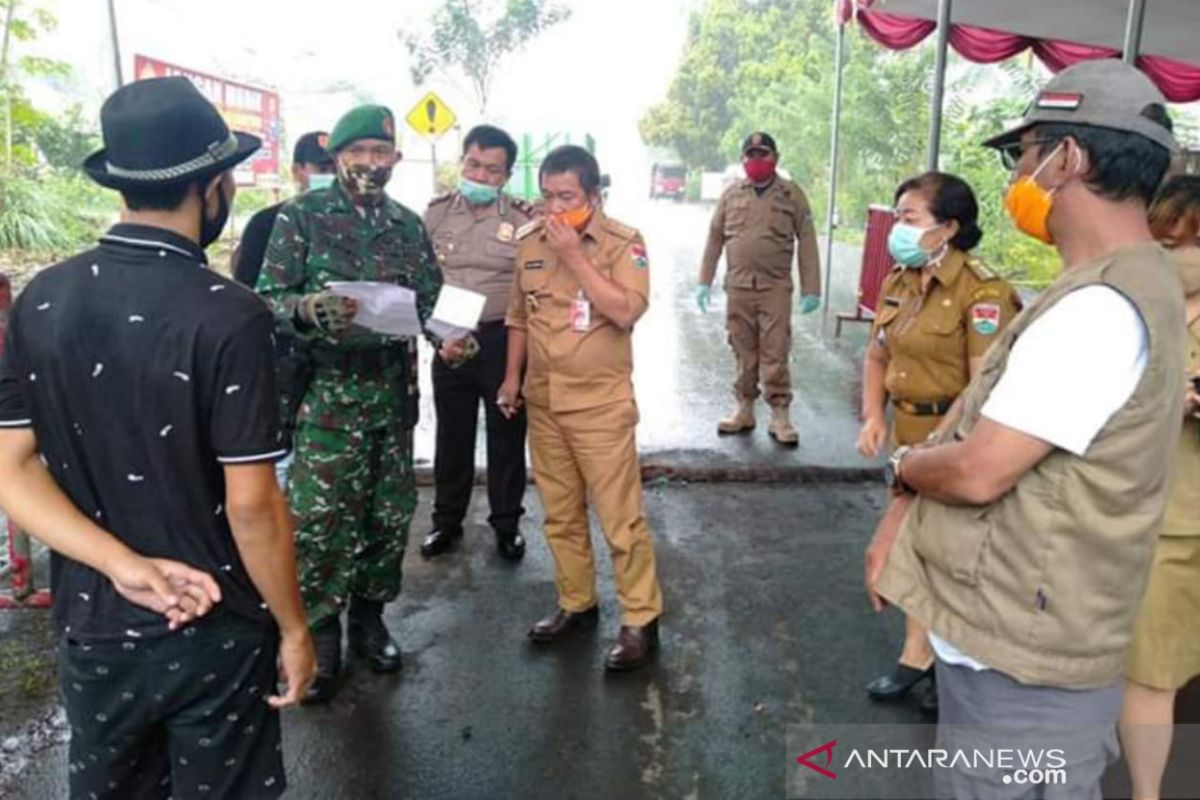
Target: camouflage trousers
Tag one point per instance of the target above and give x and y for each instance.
(353, 494)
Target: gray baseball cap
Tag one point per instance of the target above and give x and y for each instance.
(1104, 94)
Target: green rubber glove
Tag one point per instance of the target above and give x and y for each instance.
(703, 296)
(809, 303)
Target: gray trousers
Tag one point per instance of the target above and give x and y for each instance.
(990, 712)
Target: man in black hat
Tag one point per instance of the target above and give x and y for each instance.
(145, 383)
(312, 168)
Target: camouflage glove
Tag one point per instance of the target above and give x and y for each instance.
(327, 311)
(470, 350)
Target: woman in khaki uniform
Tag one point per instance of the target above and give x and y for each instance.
(940, 310)
(1165, 653)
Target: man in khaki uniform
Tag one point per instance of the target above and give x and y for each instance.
(582, 281)
(474, 233)
(757, 223)
(1023, 532)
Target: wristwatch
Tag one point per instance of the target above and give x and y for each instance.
(891, 472)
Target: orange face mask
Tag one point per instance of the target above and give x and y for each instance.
(1029, 204)
(576, 218)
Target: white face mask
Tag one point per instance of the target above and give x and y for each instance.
(321, 180)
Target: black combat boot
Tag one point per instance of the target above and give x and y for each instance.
(327, 639)
(369, 637)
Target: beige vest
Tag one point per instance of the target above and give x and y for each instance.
(1043, 584)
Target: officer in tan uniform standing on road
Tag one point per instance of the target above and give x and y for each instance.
(474, 233)
(582, 281)
(758, 222)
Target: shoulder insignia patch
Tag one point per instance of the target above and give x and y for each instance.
(638, 254)
(985, 318)
(530, 227)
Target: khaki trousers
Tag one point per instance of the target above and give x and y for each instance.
(590, 457)
(759, 323)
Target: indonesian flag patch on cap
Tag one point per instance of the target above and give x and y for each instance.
(1068, 101)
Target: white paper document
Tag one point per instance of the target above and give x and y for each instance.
(456, 313)
(382, 307)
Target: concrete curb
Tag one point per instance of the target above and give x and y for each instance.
(654, 470)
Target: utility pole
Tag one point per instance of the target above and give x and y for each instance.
(116, 42)
(4, 87)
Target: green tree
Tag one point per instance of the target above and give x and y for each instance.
(769, 65)
(474, 36)
(46, 206)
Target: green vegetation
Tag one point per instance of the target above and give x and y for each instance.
(474, 36)
(47, 207)
(769, 65)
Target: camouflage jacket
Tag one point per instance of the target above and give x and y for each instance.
(321, 237)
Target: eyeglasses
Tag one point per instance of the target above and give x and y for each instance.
(1010, 154)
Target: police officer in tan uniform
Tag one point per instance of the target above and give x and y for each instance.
(474, 233)
(940, 310)
(757, 223)
(582, 281)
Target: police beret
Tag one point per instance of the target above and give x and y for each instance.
(364, 122)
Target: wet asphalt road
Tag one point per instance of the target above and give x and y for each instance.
(766, 624)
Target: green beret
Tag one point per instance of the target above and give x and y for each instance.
(364, 122)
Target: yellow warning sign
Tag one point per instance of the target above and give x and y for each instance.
(431, 117)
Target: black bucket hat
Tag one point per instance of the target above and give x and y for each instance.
(163, 132)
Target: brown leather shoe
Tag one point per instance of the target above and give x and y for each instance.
(634, 647)
(561, 623)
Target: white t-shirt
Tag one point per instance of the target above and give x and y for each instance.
(1067, 374)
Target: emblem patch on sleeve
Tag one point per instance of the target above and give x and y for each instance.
(985, 318)
(638, 254)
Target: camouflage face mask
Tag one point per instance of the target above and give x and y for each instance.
(364, 181)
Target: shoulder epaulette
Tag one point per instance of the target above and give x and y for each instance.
(980, 270)
(442, 198)
(522, 205)
(620, 229)
(530, 227)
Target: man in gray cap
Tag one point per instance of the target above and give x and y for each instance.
(1022, 534)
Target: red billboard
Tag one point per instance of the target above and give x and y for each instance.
(244, 107)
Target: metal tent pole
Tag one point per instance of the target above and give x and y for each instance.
(835, 142)
(1133, 31)
(939, 85)
(116, 42)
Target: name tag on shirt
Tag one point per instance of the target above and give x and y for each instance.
(535, 264)
(581, 314)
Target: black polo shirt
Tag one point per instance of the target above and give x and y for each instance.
(142, 372)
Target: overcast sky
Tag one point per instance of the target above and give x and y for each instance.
(596, 73)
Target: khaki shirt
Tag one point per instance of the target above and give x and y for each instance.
(570, 369)
(930, 337)
(476, 247)
(1183, 504)
(758, 234)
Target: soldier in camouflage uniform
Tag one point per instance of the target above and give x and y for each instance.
(352, 485)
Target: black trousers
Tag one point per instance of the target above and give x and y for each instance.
(457, 394)
(183, 715)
